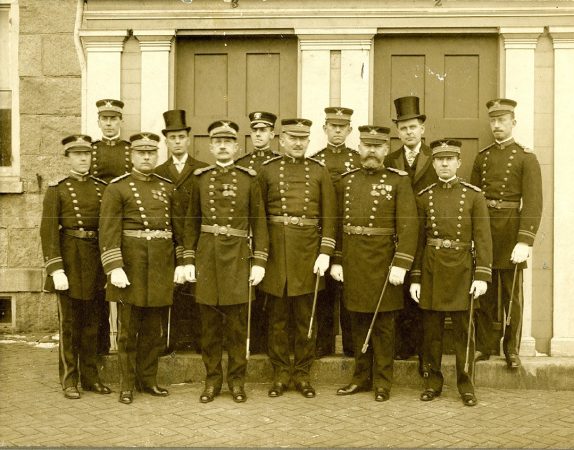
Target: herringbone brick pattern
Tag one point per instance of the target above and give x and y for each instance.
(33, 412)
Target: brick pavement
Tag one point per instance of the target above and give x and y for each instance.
(33, 412)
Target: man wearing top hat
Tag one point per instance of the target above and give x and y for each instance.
(453, 261)
(300, 205)
(339, 159)
(376, 208)
(225, 213)
(509, 174)
(262, 126)
(414, 157)
(179, 168)
(137, 247)
(110, 159)
(69, 233)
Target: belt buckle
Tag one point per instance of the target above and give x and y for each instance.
(222, 230)
(294, 220)
(447, 243)
(358, 229)
(492, 203)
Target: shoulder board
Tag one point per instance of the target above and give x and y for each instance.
(163, 178)
(121, 177)
(246, 170)
(350, 171)
(270, 160)
(98, 179)
(472, 186)
(523, 147)
(203, 169)
(317, 161)
(486, 148)
(426, 189)
(398, 171)
(313, 155)
(56, 182)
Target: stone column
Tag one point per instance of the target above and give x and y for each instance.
(519, 47)
(562, 343)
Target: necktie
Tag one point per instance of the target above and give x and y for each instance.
(179, 166)
(411, 155)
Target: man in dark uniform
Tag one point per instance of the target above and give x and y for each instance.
(382, 211)
(262, 133)
(339, 159)
(179, 168)
(300, 204)
(510, 177)
(453, 222)
(137, 247)
(225, 208)
(414, 157)
(110, 159)
(70, 245)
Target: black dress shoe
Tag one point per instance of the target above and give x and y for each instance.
(126, 397)
(513, 361)
(306, 389)
(98, 388)
(469, 399)
(429, 394)
(351, 389)
(72, 393)
(349, 353)
(320, 352)
(208, 394)
(156, 391)
(238, 393)
(382, 394)
(481, 356)
(277, 389)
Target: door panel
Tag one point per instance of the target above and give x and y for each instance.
(227, 78)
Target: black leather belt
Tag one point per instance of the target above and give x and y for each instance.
(501, 204)
(368, 231)
(447, 243)
(82, 234)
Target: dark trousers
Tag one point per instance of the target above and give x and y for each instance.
(221, 323)
(433, 327)
(103, 337)
(78, 321)
(487, 337)
(280, 310)
(375, 366)
(259, 323)
(184, 320)
(141, 338)
(409, 327)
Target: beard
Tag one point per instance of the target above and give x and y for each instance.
(372, 162)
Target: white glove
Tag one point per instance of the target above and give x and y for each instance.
(60, 280)
(119, 278)
(337, 272)
(189, 273)
(321, 264)
(397, 275)
(257, 274)
(478, 288)
(415, 290)
(520, 253)
(179, 275)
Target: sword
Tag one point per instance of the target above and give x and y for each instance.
(507, 317)
(248, 321)
(470, 333)
(366, 343)
(314, 305)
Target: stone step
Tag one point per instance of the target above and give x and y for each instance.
(554, 373)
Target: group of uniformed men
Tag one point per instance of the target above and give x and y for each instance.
(342, 229)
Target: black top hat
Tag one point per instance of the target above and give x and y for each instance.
(174, 121)
(408, 108)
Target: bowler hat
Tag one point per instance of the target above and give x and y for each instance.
(174, 121)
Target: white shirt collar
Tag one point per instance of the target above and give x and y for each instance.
(227, 164)
(506, 140)
(447, 181)
(183, 160)
(417, 148)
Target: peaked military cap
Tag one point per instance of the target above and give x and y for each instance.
(446, 147)
(374, 134)
(408, 108)
(109, 106)
(260, 119)
(144, 141)
(296, 127)
(174, 121)
(500, 106)
(338, 115)
(223, 128)
(77, 143)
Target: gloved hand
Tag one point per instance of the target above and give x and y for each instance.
(520, 253)
(179, 275)
(60, 280)
(257, 274)
(119, 278)
(321, 264)
(337, 272)
(415, 290)
(478, 288)
(190, 273)
(397, 275)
